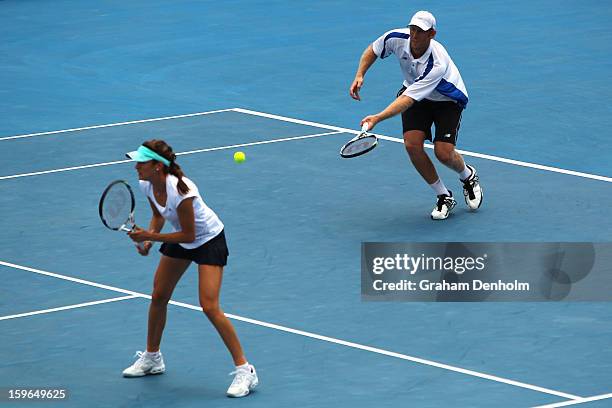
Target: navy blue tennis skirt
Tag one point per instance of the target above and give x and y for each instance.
(213, 252)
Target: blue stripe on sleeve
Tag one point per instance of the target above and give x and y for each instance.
(392, 35)
(430, 64)
(448, 89)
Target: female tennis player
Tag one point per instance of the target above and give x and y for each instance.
(197, 236)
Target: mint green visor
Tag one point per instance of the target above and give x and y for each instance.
(144, 154)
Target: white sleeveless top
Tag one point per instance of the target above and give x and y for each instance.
(207, 223)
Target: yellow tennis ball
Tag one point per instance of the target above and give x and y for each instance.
(239, 157)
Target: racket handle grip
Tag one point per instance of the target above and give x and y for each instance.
(127, 229)
(365, 127)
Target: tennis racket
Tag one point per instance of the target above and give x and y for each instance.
(117, 206)
(360, 144)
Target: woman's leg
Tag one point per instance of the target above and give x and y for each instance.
(210, 287)
(168, 273)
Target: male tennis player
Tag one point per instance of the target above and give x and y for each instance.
(432, 93)
(198, 236)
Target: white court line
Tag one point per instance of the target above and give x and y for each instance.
(576, 402)
(297, 121)
(57, 309)
(285, 139)
(87, 166)
(532, 165)
(114, 124)
(313, 335)
(465, 152)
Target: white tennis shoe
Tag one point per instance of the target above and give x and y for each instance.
(472, 190)
(244, 381)
(145, 365)
(443, 207)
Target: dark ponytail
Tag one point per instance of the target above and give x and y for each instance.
(176, 171)
(163, 149)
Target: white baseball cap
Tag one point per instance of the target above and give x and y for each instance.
(424, 20)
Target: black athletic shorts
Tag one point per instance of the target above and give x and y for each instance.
(423, 114)
(213, 252)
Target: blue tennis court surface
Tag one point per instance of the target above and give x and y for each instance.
(87, 82)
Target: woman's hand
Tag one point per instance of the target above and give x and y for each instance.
(139, 235)
(146, 247)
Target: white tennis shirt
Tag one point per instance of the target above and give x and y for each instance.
(434, 76)
(207, 223)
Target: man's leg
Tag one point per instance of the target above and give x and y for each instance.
(414, 143)
(448, 156)
(447, 118)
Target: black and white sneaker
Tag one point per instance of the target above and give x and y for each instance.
(443, 207)
(472, 190)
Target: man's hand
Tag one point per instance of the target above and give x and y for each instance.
(365, 62)
(399, 105)
(356, 87)
(371, 120)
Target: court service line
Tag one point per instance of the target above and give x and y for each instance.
(313, 335)
(576, 402)
(86, 166)
(57, 309)
(465, 152)
(210, 149)
(297, 121)
(132, 122)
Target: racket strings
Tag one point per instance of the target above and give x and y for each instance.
(116, 207)
(358, 146)
(115, 203)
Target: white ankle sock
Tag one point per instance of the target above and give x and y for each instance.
(154, 354)
(439, 188)
(245, 366)
(465, 173)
